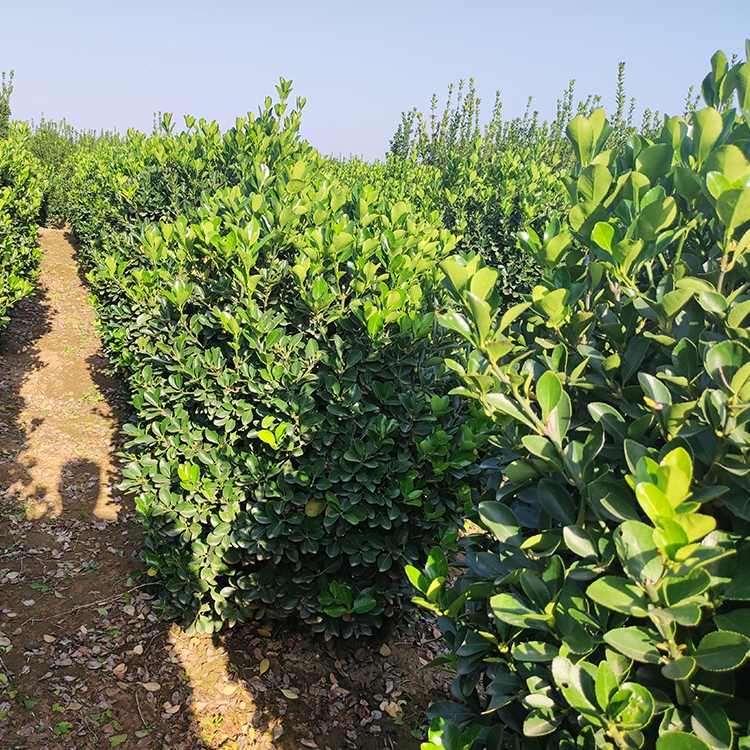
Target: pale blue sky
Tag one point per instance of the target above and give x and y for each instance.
(359, 63)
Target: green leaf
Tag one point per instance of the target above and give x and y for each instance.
(680, 741)
(637, 551)
(500, 520)
(656, 217)
(500, 402)
(733, 208)
(632, 707)
(553, 250)
(483, 282)
(603, 234)
(673, 302)
(539, 723)
(509, 608)
(454, 321)
(117, 740)
(708, 125)
(512, 314)
(636, 643)
(679, 669)
(582, 139)
(677, 467)
(314, 507)
(593, 183)
(619, 595)
(556, 501)
(654, 161)
(436, 565)
(363, 604)
(534, 651)
(481, 314)
(722, 650)
(723, 360)
(548, 393)
(710, 724)
(614, 500)
(579, 542)
(558, 422)
(456, 273)
(577, 685)
(695, 583)
(654, 502)
(737, 621)
(606, 684)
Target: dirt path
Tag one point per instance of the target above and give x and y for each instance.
(85, 661)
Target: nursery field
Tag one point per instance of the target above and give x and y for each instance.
(280, 429)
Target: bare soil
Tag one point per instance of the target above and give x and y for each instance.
(85, 660)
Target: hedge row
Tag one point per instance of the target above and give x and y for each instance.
(21, 190)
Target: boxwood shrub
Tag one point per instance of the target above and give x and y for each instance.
(605, 605)
(289, 451)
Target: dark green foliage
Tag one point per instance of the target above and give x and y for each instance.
(21, 189)
(289, 454)
(605, 604)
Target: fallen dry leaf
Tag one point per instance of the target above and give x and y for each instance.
(385, 650)
(138, 649)
(152, 687)
(264, 666)
(289, 693)
(49, 638)
(265, 632)
(229, 689)
(120, 669)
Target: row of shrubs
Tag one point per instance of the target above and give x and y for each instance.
(21, 190)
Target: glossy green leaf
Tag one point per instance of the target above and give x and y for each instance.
(620, 595)
(556, 501)
(548, 393)
(679, 669)
(534, 651)
(722, 650)
(509, 608)
(733, 208)
(707, 127)
(710, 724)
(499, 519)
(637, 551)
(680, 741)
(636, 643)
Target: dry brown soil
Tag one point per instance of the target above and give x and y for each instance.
(85, 661)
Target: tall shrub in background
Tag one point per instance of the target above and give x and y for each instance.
(6, 89)
(495, 181)
(605, 605)
(58, 147)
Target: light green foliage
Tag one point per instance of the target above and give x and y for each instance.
(21, 189)
(58, 147)
(276, 329)
(6, 89)
(605, 604)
